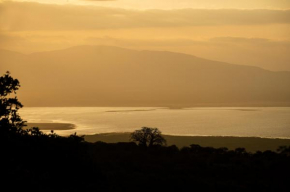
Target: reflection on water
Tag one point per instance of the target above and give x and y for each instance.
(218, 121)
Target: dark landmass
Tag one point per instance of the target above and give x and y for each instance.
(251, 144)
(40, 162)
(51, 126)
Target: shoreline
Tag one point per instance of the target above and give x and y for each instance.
(70, 126)
(251, 144)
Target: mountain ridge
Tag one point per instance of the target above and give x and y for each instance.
(122, 48)
(113, 76)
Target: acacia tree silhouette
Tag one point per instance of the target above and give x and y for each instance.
(148, 137)
(10, 121)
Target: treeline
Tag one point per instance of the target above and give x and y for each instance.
(43, 162)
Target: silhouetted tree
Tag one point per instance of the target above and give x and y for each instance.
(148, 137)
(10, 121)
(75, 137)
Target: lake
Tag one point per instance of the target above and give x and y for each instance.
(268, 122)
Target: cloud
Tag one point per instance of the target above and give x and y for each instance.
(33, 16)
(33, 43)
(183, 42)
(9, 39)
(241, 40)
(267, 43)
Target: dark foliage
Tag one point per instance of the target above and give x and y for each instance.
(47, 163)
(148, 137)
(10, 121)
(34, 161)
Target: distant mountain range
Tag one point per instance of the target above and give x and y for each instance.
(113, 76)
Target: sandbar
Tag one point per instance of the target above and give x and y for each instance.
(51, 126)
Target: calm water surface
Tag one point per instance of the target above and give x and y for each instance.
(220, 121)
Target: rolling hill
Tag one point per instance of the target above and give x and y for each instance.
(113, 76)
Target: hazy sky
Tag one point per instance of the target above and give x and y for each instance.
(241, 31)
(176, 4)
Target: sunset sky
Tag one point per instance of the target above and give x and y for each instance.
(240, 32)
(176, 4)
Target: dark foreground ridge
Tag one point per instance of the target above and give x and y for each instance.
(42, 162)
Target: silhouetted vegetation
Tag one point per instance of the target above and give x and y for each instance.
(148, 137)
(34, 161)
(10, 121)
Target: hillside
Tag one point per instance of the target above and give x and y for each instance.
(112, 76)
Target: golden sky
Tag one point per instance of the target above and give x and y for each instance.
(177, 4)
(241, 32)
